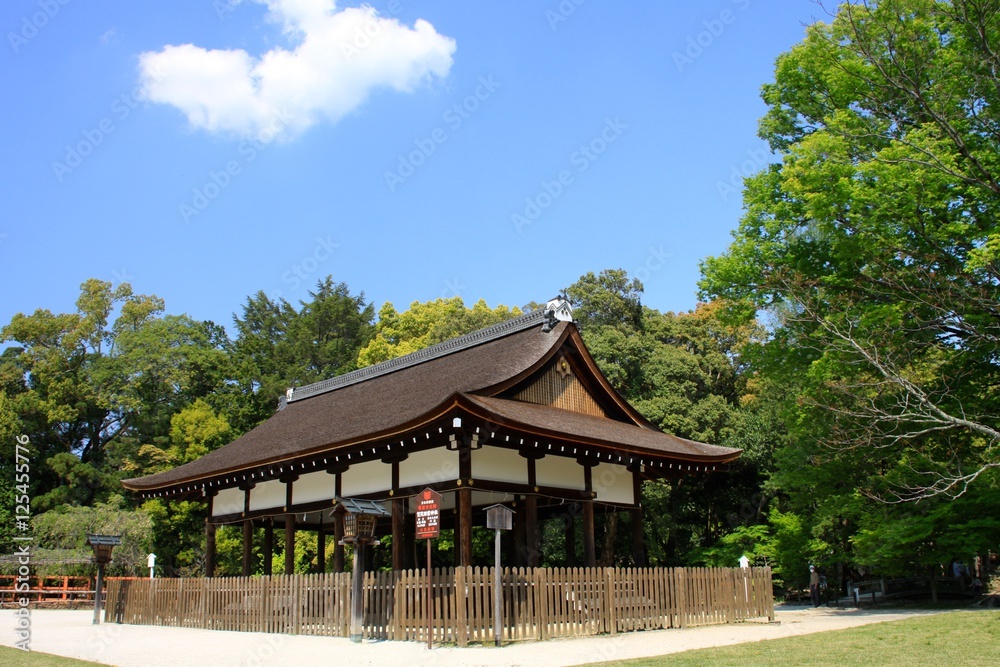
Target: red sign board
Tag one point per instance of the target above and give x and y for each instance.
(428, 514)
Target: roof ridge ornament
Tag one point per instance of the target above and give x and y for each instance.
(557, 310)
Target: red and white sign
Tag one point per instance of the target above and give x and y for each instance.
(428, 514)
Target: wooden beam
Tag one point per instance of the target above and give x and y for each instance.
(209, 549)
(465, 526)
(268, 546)
(338, 536)
(638, 536)
(589, 543)
(520, 541)
(247, 547)
(398, 533)
(321, 548)
(289, 544)
(533, 545)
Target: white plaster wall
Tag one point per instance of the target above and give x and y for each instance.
(314, 486)
(366, 477)
(267, 495)
(613, 483)
(428, 467)
(500, 465)
(227, 501)
(560, 472)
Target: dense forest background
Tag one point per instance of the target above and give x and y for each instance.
(847, 342)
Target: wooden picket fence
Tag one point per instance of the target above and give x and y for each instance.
(539, 603)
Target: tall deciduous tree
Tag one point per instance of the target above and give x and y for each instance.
(425, 324)
(88, 386)
(874, 241)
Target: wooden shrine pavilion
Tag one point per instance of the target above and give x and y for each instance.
(517, 413)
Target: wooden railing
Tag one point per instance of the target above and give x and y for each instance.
(538, 603)
(50, 590)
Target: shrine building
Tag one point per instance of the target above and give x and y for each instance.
(517, 413)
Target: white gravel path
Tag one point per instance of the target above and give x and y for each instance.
(70, 633)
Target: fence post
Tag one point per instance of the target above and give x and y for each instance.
(203, 603)
(769, 592)
(461, 600)
(610, 616)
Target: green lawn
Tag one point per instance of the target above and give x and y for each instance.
(12, 657)
(941, 640)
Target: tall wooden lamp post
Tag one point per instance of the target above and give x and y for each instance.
(359, 529)
(498, 518)
(102, 545)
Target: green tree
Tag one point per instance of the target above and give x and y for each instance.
(870, 249)
(426, 324)
(685, 373)
(873, 243)
(278, 347)
(89, 386)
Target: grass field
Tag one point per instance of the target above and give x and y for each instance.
(12, 657)
(941, 640)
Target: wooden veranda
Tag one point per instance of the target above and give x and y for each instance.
(538, 603)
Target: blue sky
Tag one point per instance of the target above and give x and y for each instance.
(205, 150)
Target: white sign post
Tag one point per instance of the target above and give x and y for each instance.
(498, 518)
(151, 564)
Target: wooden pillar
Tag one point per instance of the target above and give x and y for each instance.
(209, 549)
(589, 543)
(338, 537)
(289, 544)
(247, 547)
(638, 539)
(532, 543)
(321, 546)
(520, 539)
(464, 527)
(398, 534)
(268, 546)
(409, 537)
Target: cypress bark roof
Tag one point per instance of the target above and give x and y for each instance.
(385, 400)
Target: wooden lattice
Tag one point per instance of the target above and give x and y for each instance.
(558, 387)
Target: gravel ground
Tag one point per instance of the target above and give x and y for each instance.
(70, 633)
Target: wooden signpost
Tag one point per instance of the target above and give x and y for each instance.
(428, 517)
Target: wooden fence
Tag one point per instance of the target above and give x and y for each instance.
(47, 590)
(539, 603)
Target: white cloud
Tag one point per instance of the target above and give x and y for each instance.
(339, 58)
